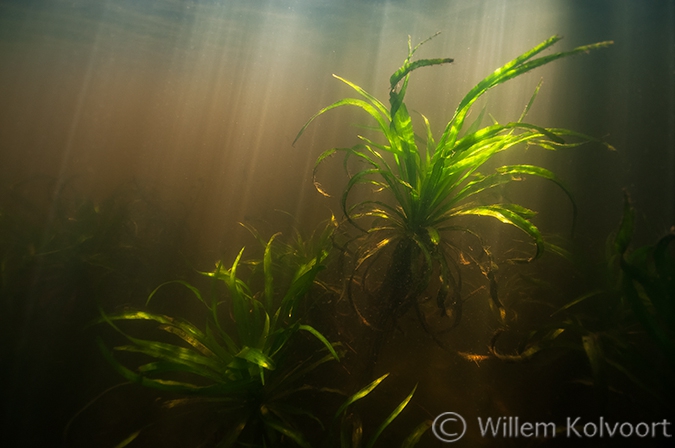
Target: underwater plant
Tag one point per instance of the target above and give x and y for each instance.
(68, 245)
(62, 253)
(625, 327)
(422, 184)
(63, 243)
(243, 369)
(351, 427)
(299, 250)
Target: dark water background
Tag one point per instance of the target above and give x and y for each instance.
(196, 104)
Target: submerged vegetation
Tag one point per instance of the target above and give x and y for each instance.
(351, 427)
(251, 369)
(421, 185)
(243, 367)
(258, 356)
(249, 364)
(624, 326)
(62, 255)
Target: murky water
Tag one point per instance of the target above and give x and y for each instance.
(135, 136)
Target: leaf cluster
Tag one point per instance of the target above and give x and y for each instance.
(351, 426)
(422, 184)
(244, 367)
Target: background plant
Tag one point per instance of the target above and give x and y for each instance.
(61, 254)
(625, 326)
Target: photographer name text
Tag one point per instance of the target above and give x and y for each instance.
(512, 427)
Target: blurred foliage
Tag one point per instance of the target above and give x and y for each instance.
(61, 254)
(625, 327)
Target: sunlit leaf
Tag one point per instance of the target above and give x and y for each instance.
(257, 357)
(360, 394)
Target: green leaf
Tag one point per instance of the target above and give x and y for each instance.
(265, 333)
(165, 385)
(417, 433)
(410, 66)
(194, 290)
(510, 70)
(377, 103)
(257, 357)
(370, 110)
(543, 173)
(267, 268)
(532, 98)
(321, 338)
(128, 440)
(390, 419)
(403, 129)
(507, 216)
(360, 394)
(287, 430)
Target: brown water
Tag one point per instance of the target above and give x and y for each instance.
(198, 103)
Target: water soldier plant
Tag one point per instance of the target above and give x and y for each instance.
(242, 367)
(422, 184)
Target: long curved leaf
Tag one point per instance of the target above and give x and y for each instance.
(359, 395)
(321, 338)
(390, 419)
(369, 109)
(410, 66)
(508, 217)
